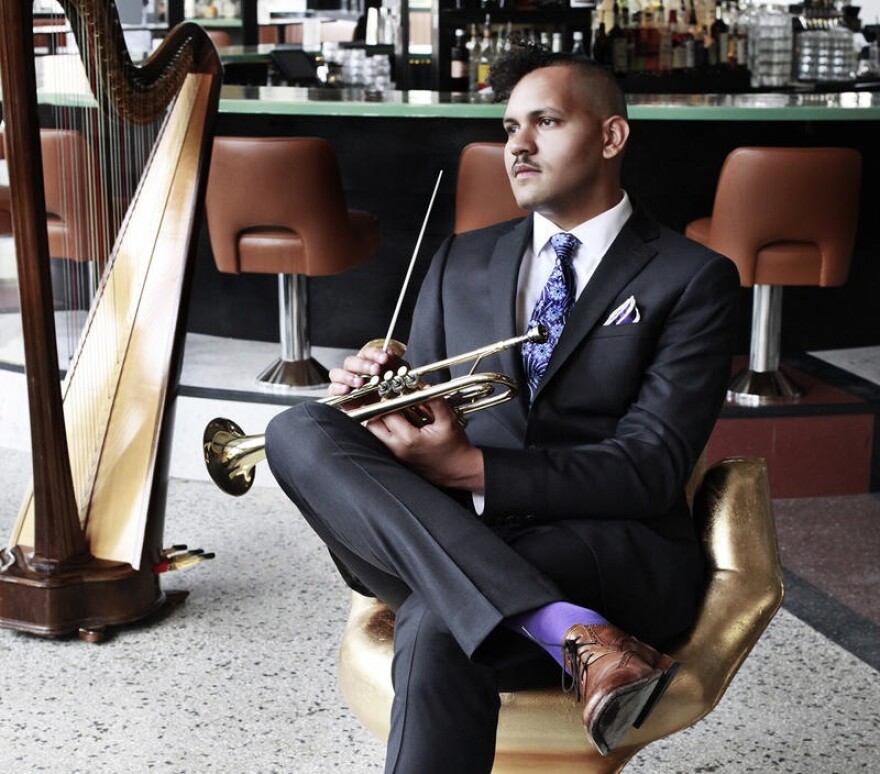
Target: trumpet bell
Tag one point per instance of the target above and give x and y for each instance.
(224, 457)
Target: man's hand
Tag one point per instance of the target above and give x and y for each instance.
(439, 451)
(357, 369)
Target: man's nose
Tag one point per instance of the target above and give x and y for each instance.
(520, 143)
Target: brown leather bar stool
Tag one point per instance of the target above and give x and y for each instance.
(275, 205)
(65, 176)
(541, 730)
(482, 194)
(220, 38)
(73, 209)
(785, 216)
(67, 172)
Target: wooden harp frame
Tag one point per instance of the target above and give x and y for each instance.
(61, 583)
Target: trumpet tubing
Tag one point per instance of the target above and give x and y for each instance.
(231, 456)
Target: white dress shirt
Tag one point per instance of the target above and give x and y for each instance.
(595, 235)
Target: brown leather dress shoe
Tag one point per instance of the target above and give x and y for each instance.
(619, 679)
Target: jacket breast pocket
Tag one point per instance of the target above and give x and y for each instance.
(627, 329)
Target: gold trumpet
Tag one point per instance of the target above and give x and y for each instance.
(231, 456)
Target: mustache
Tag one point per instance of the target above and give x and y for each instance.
(523, 160)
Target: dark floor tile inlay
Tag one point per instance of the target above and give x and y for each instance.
(833, 543)
(836, 621)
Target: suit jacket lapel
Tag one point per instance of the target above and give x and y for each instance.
(625, 258)
(503, 277)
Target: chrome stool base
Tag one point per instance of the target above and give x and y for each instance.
(285, 374)
(762, 388)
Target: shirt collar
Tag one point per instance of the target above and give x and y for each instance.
(595, 234)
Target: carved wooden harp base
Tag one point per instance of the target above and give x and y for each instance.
(86, 601)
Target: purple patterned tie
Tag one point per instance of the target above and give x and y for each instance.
(552, 308)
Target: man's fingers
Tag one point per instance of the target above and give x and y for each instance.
(357, 370)
(369, 366)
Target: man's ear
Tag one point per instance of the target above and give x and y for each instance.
(615, 134)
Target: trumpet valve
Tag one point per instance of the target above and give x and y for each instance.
(412, 382)
(399, 383)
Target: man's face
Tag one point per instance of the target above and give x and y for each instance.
(558, 150)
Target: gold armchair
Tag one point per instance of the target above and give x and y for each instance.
(541, 730)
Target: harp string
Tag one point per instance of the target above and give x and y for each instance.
(96, 182)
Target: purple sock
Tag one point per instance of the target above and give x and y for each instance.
(547, 625)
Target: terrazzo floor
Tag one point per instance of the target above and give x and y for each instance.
(241, 677)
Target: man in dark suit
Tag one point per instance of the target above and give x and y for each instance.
(556, 523)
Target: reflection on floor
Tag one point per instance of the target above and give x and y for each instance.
(242, 676)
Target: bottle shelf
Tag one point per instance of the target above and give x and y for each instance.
(548, 18)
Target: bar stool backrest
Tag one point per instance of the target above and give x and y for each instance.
(483, 196)
(66, 169)
(807, 197)
(288, 187)
(67, 175)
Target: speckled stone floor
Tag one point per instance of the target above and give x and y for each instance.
(241, 677)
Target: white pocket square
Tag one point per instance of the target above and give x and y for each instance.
(625, 314)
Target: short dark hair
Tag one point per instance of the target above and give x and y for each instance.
(524, 57)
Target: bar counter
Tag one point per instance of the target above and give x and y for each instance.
(799, 106)
(392, 146)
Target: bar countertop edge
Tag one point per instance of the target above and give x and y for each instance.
(285, 100)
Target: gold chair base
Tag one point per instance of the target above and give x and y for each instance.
(542, 730)
(762, 388)
(285, 374)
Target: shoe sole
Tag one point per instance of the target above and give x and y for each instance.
(614, 717)
(655, 697)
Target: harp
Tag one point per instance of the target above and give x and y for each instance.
(82, 553)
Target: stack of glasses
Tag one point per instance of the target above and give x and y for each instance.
(770, 45)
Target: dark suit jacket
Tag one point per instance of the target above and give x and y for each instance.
(622, 413)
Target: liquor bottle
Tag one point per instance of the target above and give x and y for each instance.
(689, 31)
(670, 43)
(487, 55)
(679, 55)
(702, 47)
(720, 33)
(649, 40)
(600, 45)
(458, 63)
(556, 43)
(630, 30)
(577, 40)
(738, 47)
(473, 49)
(617, 42)
(507, 41)
(692, 23)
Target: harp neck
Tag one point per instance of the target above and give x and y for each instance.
(138, 93)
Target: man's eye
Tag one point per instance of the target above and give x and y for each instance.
(547, 122)
(510, 130)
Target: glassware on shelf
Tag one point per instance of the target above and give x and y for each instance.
(825, 55)
(770, 45)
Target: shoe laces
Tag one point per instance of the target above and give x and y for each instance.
(574, 667)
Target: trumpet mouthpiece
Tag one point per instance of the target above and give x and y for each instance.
(537, 334)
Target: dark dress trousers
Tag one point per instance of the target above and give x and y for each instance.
(584, 496)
